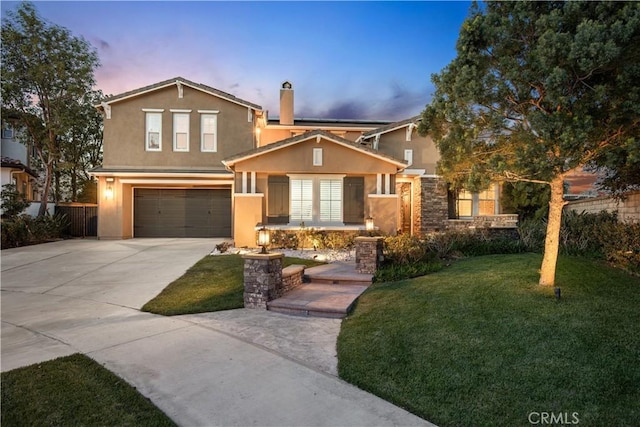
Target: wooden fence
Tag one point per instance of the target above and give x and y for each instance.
(83, 218)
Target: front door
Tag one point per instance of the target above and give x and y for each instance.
(405, 207)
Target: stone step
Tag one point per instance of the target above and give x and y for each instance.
(318, 300)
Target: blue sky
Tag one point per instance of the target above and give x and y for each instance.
(359, 60)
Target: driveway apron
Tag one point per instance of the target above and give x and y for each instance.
(84, 296)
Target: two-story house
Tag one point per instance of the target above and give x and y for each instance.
(185, 159)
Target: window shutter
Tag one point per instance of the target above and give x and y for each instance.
(278, 193)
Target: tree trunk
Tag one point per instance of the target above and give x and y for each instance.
(552, 238)
(44, 198)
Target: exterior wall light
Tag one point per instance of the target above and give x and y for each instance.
(108, 192)
(264, 238)
(369, 225)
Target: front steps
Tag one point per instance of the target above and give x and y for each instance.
(333, 291)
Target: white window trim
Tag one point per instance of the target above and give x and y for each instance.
(148, 111)
(315, 215)
(178, 113)
(203, 114)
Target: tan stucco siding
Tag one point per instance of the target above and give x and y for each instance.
(425, 153)
(124, 133)
(299, 159)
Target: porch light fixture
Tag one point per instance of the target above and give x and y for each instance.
(369, 225)
(108, 193)
(263, 239)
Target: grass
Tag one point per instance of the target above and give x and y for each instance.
(74, 390)
(214, 283)
(480, 343)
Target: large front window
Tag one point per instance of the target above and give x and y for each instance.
(473, 204)
(315, 199)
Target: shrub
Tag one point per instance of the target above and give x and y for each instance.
(24, 230)
(621, 245)
(393, 272)
(13, 202)
(405, 249)
(598, 236)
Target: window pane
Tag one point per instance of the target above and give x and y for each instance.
(181, 141)
(208, 142)
(331, 200)
(301, 200)
(154, 140)
(464, 208)
(486, 207)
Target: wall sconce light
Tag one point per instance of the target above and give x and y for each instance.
(369, 225)
(264, 239)
(108, 192)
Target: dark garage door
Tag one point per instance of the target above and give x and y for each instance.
(181, 213)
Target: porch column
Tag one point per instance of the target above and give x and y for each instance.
(262, 278)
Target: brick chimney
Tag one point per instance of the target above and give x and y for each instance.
(286, 103)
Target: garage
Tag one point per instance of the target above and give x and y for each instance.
(182, 212)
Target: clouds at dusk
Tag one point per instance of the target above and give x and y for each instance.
(358, 60)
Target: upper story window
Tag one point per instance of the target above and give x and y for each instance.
(7, 132)
(208, 131)
(317, 157)
(153, 132)
(408, 156)
(180, 131)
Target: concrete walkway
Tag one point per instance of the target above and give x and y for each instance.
(232, 368)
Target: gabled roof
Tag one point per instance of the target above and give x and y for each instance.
(317, 134)
(166, 83)
(391, 127)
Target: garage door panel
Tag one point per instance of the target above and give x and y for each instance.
(182, 213)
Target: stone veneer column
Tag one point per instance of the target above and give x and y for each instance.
(434, 211)
(262, 277)
(368, 254)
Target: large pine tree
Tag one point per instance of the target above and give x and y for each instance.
(536, 90)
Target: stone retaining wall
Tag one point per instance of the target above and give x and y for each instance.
(291, 278)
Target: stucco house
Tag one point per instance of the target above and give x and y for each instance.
(182, 159)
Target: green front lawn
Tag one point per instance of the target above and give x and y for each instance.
(74, 391)
(213, 284)
(480, 343)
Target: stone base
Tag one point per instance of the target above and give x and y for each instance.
(369, 254)
(262, 278)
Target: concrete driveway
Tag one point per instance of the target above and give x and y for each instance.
(84, 296)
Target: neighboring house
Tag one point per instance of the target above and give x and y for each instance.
(182, 159)
(16, 164)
